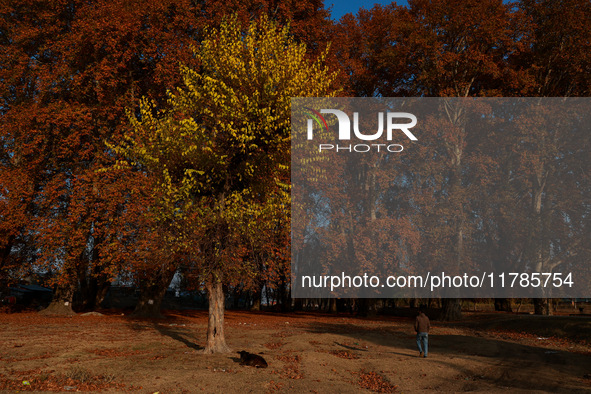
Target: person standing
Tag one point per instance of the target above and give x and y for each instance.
(422, 326)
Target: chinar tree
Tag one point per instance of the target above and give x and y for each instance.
(221, 147)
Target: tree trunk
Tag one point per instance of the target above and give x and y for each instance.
(150, 302)
(284, 296)
(298, 305)
(542, 306)
(103, 288)
(451, 309)
(216, 340)
(151, 294)
(503, 305)
(236, 296)
(95, 284)
(270, 297)
(256, 299)
(367, 307)
(93, 291)
(61, 304)
(5, 253)
(333, 305)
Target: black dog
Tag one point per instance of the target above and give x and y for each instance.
(252, 360)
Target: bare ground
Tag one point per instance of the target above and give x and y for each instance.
(305, 352)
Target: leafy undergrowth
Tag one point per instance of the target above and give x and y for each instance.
(375, 382)
(74, 380)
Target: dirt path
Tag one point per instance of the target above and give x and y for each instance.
(305, 352)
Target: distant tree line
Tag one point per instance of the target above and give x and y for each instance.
(117, 162)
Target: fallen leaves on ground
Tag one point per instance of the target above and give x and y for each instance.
(291, 370)
(44, 381)
(273, 345)
(344, 354)
(115, 352)
(375, 382)
(544, 342)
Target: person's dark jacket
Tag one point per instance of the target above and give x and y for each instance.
(422, 323)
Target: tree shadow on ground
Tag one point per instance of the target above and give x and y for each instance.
(572, 327)
(177, 335)
(512, 365)
(350, 347)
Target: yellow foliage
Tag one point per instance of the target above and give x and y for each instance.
(225, 134)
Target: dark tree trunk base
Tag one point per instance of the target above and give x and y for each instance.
(298, 305)
(503, 305)
(58, 308)
(367, 307)
(61, 304)
(256, 300)
(451, 309)
(151, 295)
(148, 306)
(542, 306)
(148, 311)
(333, 306)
